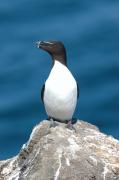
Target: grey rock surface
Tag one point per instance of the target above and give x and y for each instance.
(62, 154)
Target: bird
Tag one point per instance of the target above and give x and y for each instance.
(60, 91)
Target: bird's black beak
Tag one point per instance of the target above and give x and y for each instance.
(39, 44)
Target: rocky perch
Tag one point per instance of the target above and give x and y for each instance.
(62, 154)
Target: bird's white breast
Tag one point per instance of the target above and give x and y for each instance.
(60, 94)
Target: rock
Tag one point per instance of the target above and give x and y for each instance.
(62, 154)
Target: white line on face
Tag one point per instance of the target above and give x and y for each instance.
(48, 42)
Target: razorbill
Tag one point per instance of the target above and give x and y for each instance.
(60, 92)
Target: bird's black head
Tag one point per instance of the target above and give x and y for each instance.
(55, 48)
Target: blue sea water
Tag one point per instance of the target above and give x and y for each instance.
(90, 32)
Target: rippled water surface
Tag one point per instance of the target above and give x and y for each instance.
(90, 32)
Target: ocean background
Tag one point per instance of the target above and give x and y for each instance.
(90, 32)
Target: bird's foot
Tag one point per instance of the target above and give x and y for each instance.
(70, 125)
(52, 123)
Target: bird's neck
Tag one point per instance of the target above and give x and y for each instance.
(60, 58)
(58, 64)
(58, 69)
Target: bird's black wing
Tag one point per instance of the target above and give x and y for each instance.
(42, 92)
(77, 91)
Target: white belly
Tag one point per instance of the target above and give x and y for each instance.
(60, 96)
